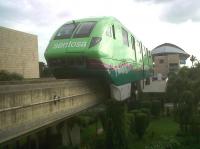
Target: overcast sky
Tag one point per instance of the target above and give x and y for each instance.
(154, 22)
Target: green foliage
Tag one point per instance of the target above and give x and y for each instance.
(99, 142)
(184, 90)
(44, 70)
(141, 124)
(196, 91)
(7, 76)
(130, 121)
(146, 104)
(68, 147)
(164, 142)
(146, 111)
(193, 59)
(186, 110)
(187, 79)
(116, 125)
(156, 108)
(195, 127)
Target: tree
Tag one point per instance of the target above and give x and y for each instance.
(195, 127)
(116, 125)
(44, 70)
(196, 91)
(7, 76)
(156, 108)
(141, 124)
(193, 59)
(186, 110)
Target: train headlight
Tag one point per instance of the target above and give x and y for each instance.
(95, 41)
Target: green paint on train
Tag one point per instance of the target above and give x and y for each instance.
(98, 47)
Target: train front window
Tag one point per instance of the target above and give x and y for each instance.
(65, 31)
(109, 32)
(84, 29)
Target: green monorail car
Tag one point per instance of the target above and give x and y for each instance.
(98, 47)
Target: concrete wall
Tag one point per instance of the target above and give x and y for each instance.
(161, 67)
(19, 53)
(26, 107)
(164, 67)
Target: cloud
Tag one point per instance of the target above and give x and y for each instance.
(155, 1)
(34, 16)
(34, 11)
(177, 11)
(181, 11)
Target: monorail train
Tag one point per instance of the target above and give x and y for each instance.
(100, 47)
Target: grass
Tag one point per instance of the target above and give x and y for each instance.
(157, 128)
(163, 126)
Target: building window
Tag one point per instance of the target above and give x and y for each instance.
(173, 67)
(161, 61)
(125, 37)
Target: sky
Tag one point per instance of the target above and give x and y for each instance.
(154, 22)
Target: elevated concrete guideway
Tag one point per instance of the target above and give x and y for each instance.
(28, 106)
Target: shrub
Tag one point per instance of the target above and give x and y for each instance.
(7, 76)
(195, 127)
(146, 111)
(145, 104)
(141, 124)
(165, 142)
(156, 108)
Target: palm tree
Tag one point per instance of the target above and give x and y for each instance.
(193, 59)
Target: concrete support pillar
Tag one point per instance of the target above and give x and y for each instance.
(34, 144)
(70, 136)
(54, 130)
(54, 137)
(75, 135)
(65, 132)
(41, 135)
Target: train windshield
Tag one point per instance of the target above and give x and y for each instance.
(65, 31)
(84, 29)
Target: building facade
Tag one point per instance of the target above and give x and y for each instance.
(19, 53)
(168, 58)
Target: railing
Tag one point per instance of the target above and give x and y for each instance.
(55, 99)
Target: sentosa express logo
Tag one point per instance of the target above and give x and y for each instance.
(70, 44)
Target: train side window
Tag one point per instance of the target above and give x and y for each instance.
(133, 42)
(141, 48)
(147, 52)
(150, 54)
(113, 31)
(109, 32)
(133, 45)
(125, 37)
